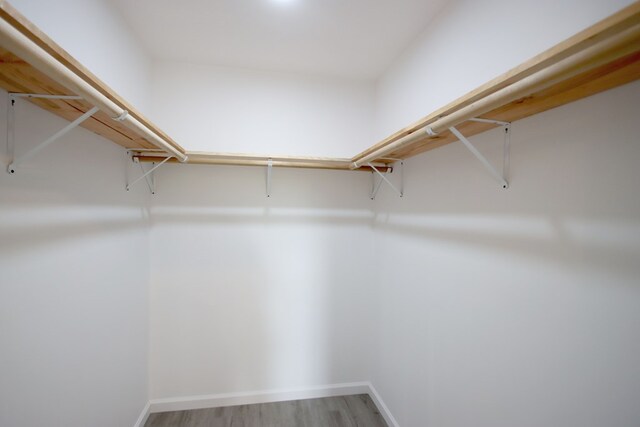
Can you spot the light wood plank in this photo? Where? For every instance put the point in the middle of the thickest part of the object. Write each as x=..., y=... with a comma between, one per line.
x=622, y=71
x=617, y=23
x=18, y=76
x=14, y=17
x=203, y=158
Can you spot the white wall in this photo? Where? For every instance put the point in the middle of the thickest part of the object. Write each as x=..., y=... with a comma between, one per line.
x=220, y=109
x=73, y=300
x=519, y=306
x=475, y=287
x=95, y=34
x=480, y=305
x=73, y=283
x=250, y=293
x=470, y=43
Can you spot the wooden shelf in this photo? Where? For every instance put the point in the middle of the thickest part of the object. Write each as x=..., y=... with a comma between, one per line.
x=624, y=67
x=207, y=158
x=16, y=75
x=618, y=64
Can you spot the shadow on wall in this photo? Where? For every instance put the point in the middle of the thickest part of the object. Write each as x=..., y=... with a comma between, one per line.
x=609, y=244
x=72, y=189
x=571, y=203
x=20, y=234
x=260, y=215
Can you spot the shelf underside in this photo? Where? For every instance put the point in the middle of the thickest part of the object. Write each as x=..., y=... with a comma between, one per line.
x=19, y=77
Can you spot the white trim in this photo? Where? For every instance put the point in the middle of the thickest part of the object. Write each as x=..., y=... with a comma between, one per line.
x=384, y=410
x=186, y=403
x=144, y=415
x=251, y=397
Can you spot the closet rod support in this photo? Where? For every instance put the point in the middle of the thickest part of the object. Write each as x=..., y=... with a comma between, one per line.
x=376, y=187
x=18, y=160
x=145, y=174
x=480, y=157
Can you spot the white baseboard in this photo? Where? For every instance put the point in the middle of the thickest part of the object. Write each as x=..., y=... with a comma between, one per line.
x=247, y=398
x=384, y=410
x=251, y=397
x=144, y=415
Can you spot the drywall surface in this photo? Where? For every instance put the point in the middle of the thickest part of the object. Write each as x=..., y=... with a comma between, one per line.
x=250, y=293
x=95, y=34
x=210, y=108
x=519, y=306
x=470, y=43
x=310, y=37
x=73, y=281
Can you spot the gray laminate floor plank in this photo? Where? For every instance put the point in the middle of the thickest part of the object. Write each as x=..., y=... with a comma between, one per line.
x=343, y=411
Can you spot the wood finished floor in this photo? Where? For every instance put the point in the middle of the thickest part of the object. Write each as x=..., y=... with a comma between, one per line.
x=344, y=411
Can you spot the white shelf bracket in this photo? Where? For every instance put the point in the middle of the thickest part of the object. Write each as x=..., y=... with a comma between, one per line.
x=148, y=176
x=376, y=184
x=269, y=173
x=11, y=114
x=502, y=178
x=17, y=160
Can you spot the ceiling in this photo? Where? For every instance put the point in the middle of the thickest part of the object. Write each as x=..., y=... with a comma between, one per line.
x=346, y=38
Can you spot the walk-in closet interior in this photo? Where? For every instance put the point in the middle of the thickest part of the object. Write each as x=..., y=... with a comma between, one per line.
x=286, y=213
